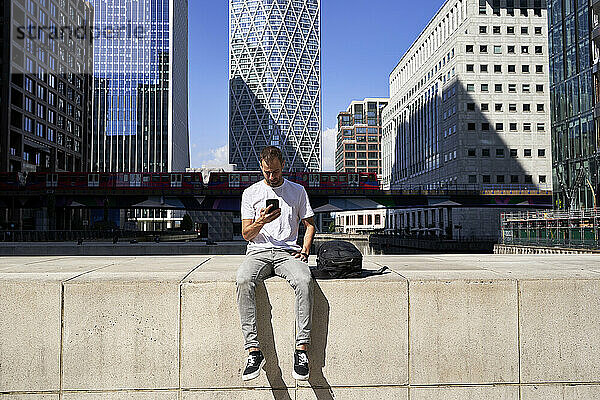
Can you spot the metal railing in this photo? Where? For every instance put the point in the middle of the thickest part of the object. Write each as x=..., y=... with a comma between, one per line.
x=566, y=229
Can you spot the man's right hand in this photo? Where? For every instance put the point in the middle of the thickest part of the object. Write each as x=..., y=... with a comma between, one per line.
x=267, y=216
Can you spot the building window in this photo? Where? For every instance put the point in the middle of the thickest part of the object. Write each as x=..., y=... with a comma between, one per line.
x=510, y=30
x=542, y=178
x=528, y=179
x=499, y=153
x=511, y=68
x=539, y=69
x=512, y=88
x=471, y=153
x=498, y=87
x=538, y=30
x=496, y=30
x=499, y=178
x=497, y=49
x=499, y=126
x=485, y=126
x=485, y=87
x=542, y=153
x=512, y=107
x=483, y=68
x=539, y=88
x=485, y=107
x=538, y=50
x=514, y=179
x=541, y=127
x=470, y=87
x=485, y=152
x=472, y=178
x=470, y=68
x=471, y=126
x=526, y=107
x=526, y=152
x=510, y=49
x=483, y=48
x=497, y=68
x=524, y=30
x=540, y=107
x=512, y=126
x=527, y=127
x=486, y=178
x=483, y=29
x=525, y=68
x=524, y=49
x=469, y=48
x=513, y=153
x=498, y=107
x=525, y=88
x=470, y=106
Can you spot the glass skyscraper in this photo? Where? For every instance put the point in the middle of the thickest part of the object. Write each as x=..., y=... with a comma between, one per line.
x=140, y=86
x=275, y=82
x=574, y=132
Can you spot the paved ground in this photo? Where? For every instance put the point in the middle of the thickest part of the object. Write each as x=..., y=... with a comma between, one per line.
x=452, y=266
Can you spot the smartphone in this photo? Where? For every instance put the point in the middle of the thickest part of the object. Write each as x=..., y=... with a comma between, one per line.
x=274, y=203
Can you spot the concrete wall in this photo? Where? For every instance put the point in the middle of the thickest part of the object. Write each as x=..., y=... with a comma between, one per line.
x=437, y=327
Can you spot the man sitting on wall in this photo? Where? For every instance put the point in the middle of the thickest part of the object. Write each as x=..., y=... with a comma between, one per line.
x=272, y=231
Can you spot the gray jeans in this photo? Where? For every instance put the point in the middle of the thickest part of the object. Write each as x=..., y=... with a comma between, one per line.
x=260, y=265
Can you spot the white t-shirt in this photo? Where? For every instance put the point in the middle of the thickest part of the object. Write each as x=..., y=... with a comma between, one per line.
x=283, y=231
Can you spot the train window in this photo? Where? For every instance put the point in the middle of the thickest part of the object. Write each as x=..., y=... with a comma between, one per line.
x=155, y=178
x=164, y=178
x=342, y=178
x=245, y=178
x=146, y=179
x=325, y=178
x=333, y=179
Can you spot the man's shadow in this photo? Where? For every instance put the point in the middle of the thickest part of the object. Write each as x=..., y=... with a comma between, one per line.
x=316, y=352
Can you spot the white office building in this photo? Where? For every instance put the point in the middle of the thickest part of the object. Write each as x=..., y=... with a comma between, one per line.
x=469, y=100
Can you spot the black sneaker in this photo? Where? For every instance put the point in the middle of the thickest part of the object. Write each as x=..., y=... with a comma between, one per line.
x=255, y=362
x=300, y=371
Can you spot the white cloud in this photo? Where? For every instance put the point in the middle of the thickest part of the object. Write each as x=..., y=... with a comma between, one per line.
x=218, y=157
x=329, y=137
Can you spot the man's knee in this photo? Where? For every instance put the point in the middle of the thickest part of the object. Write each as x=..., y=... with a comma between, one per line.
x=243, y=279
x=304, y=279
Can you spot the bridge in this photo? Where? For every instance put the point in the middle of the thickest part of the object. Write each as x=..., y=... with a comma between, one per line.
x=223, y=200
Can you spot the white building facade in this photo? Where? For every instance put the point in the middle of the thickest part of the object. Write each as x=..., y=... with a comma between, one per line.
x=469, y=101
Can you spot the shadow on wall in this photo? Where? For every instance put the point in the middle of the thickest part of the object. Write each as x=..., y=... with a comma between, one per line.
x=252, y=127
x=317, y=349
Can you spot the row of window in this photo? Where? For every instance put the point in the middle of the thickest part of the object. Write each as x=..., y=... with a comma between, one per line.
x=523, y=6
x=361, y=163
x=512, y=107
x=510, y=30
x=511, y=68
x=512, y=126
x=510, y=49
x=361, y=154
x=502, y=179
x=513, y=153
x=511, y=87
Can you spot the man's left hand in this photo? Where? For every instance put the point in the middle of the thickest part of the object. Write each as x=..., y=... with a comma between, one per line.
x=302, y=256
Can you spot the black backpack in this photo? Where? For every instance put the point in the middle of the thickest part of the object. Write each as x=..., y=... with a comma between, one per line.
x=338, y=259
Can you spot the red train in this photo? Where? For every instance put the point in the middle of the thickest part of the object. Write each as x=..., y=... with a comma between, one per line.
x=188, y=180
x=313, y=180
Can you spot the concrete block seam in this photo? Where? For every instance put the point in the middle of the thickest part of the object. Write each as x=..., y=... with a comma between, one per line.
x=194, y=269
x=519, y=334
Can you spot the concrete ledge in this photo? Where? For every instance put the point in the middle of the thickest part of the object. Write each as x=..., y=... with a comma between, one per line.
x=436, y=327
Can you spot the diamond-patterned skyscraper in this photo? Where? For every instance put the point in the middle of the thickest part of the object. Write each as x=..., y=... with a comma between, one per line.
x=275, y=82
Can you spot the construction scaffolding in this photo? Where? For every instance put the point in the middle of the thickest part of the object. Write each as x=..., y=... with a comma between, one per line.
x=566, y=229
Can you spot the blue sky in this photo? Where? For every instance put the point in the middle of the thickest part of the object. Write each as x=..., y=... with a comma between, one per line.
x=361, y=43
